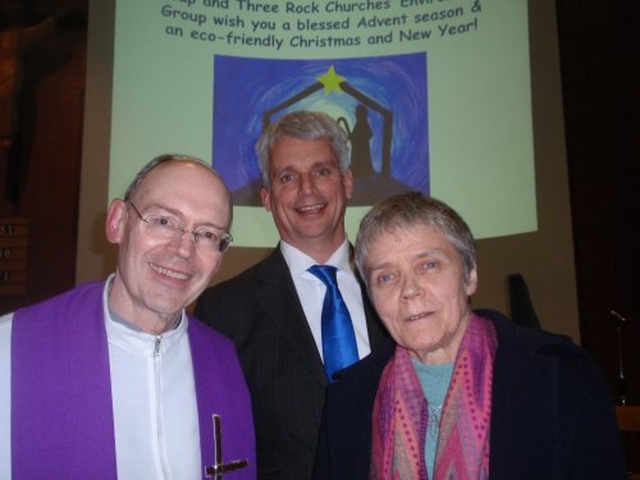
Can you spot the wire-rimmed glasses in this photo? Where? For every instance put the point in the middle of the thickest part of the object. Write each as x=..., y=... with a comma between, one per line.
x=167, y=227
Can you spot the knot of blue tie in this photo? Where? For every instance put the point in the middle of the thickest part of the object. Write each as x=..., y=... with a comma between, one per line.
x=339, y=347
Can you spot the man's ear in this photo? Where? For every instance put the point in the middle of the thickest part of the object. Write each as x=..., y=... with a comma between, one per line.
x=265, y=196
x=115, y=223
x=347, y=181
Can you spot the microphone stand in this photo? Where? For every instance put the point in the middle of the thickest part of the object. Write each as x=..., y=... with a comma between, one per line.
x=622, y=381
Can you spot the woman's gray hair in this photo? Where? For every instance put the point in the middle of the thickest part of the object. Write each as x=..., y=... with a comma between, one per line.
x=408, y=210
x=303, y=125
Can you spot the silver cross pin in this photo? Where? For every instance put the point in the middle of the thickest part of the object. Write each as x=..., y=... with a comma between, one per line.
x=219, y=468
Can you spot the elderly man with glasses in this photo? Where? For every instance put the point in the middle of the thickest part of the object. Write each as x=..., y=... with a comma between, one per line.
x=114, y=379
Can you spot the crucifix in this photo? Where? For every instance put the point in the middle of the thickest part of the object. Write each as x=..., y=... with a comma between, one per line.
x=219, y=468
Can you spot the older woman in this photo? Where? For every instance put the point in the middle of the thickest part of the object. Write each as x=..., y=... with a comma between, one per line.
x=458, y=396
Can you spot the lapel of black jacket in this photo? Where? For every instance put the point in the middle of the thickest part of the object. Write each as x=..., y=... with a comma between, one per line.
x=278, y=297
x=375, y=329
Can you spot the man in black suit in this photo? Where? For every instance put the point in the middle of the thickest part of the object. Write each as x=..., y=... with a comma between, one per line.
x=272, y=311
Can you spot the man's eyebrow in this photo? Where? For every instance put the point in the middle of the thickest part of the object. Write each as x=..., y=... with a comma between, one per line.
x=328, y=162
x=177, y=213
x=160, y=209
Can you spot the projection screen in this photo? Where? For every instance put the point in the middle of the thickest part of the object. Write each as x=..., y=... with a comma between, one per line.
x=435, y=96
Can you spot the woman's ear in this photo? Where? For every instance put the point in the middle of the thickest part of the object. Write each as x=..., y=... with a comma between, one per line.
x=115, y=223
x=472, y=282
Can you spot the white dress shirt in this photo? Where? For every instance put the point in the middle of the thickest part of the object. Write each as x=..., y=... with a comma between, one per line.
x=311, y=292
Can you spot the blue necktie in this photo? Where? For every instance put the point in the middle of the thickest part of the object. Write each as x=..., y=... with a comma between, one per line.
x=338, y=339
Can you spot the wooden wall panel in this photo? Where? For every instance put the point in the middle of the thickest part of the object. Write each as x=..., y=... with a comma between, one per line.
x=44, y=188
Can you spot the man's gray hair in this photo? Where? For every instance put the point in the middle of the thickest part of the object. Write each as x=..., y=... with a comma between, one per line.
x=303, y=125
x=157, y=161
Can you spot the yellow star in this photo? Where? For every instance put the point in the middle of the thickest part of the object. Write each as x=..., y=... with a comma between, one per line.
x=331, y=81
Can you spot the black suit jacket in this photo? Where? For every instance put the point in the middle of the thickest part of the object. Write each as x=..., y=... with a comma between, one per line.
x=261, y=313
x=552, y=415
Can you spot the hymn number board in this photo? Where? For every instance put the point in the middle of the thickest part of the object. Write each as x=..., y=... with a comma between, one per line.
x=13, y=256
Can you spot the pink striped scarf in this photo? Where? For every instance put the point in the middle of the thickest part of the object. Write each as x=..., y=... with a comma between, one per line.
x=400, y=414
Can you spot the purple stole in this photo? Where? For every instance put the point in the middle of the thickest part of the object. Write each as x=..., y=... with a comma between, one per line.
x=61, y=411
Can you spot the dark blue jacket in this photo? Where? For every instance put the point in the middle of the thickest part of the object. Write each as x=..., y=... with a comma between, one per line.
x=552, y=415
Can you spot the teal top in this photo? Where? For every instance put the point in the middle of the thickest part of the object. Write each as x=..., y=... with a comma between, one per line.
x=435, y=383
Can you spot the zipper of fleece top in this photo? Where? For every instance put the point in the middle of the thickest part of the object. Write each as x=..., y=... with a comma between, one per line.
x=157, y=364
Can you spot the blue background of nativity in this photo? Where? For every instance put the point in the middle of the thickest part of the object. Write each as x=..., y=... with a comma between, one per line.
x=245, y=88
